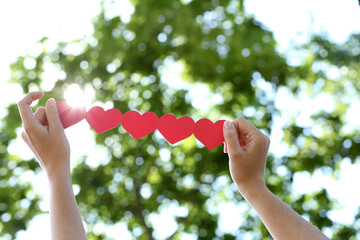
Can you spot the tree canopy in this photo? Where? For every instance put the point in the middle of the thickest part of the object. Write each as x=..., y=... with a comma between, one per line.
x=220, y=46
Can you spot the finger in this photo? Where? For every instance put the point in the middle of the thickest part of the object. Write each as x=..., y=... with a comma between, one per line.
x=225, y=147
x=232, y=139
x=25, y=137
x=245, y=127
x=25, y=110
x=41, y=115
x=53, y=118
x=248, y=134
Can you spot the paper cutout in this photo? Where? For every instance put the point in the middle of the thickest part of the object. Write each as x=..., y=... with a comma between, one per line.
x=208, y=133
x=175, y=130
x=70, y=115
x=138, y=125
x=101, y=120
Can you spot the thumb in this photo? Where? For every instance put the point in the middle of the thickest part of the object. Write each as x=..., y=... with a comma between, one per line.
x=53, y=116
x=232, y=139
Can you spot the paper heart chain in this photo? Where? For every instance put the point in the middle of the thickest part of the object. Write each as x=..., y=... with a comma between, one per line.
x=139, y=125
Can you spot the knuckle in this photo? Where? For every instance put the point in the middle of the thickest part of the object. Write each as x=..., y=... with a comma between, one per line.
x=24, y=99
x=267, y=138
x=41, y=109
x=241, y=119
x=23, y=135
x=28, y=132
x=264, y=139
x=260, y=138
x=28, y=129
x=20, y=103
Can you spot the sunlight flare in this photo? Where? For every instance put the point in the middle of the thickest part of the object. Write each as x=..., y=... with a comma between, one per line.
x=77, y=97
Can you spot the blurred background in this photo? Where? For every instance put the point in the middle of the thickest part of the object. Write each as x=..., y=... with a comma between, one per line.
x=290, y=67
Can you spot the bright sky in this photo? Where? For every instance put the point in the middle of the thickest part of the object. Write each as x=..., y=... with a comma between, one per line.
x=24, y=22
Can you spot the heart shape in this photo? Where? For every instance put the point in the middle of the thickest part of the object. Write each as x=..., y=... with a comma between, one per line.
x=208, y=133
x=175, y=130
x=70, y=115
x=138, y=125
x=101, y=120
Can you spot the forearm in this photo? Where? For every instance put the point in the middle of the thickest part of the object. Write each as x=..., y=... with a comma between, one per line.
x=65, y=217
x=281, y=221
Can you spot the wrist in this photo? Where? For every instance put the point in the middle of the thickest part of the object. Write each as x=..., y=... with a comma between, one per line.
x=57, y=168
x=59, y=177
x=252, y=188
x=61, y=186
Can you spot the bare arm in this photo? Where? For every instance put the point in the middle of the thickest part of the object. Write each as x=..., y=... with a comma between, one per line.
x=45, y=136
x=247, y=148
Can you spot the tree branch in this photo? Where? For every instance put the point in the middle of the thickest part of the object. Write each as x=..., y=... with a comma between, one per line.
x=139, y=210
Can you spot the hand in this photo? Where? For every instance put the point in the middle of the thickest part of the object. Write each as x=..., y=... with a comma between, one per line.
x=44, y=134
x=247, y=148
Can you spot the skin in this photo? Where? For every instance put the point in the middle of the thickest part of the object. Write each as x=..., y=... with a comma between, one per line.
x=44, y=134
x=247, y=148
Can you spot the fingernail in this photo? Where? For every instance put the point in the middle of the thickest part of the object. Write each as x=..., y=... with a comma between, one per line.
x=51, y=101
x=227, y=125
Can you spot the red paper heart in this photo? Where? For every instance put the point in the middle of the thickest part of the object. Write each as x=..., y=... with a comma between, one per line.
x=175, y=130
x=208, y=133
x=139, y=125
x=101, y=120
x=70, y=115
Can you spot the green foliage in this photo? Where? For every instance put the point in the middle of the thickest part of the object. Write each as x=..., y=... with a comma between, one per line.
x=18, y=202
x=219, y=46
